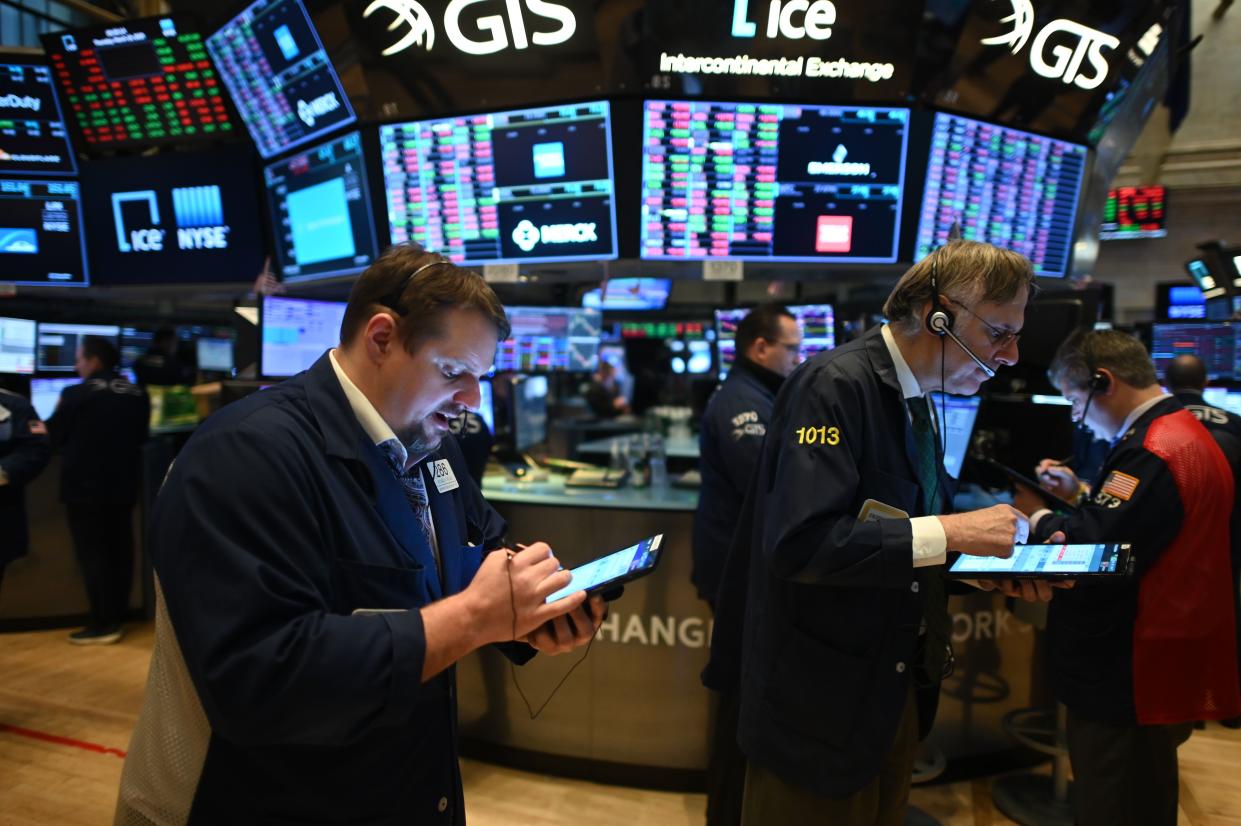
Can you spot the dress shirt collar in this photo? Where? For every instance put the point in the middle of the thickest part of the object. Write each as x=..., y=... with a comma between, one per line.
x=377, y=430
x=910, y=389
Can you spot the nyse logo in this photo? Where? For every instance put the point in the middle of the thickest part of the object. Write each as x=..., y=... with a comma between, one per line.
x=1072, y=43
x=794, y=19
x=199, y=211
x=317, y=108
x=527, y=236
x=420, y=29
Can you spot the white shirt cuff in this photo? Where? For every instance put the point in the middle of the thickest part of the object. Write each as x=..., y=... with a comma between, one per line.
x=1036, y=516
x=930, y=543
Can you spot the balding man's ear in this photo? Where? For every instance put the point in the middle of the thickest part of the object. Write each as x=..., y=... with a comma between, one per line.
x=379, y=336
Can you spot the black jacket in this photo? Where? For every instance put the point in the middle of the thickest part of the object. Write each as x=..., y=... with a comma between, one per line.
x=100, y=426
x=24, y=452
x=733, y=427
x=831, y=605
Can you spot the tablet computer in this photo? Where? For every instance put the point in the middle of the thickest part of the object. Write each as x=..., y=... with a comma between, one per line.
x=615, y=569
x=1052, y=501
x=1047, y=562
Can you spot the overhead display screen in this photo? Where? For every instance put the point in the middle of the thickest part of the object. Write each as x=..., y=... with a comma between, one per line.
x=32, y=130
x=529, y=185
x=296, y=332
x=550, y=338
x=1134, y=212
x=1215, y=344
x=174, y=218
x=320, y=209
x=41, y=233
x=281, y=79
x=772, y=182
x=138, y=82
x=629, y=294
x=817, y=323
x=16, y=345
x=59, y=343
x=1009, y=188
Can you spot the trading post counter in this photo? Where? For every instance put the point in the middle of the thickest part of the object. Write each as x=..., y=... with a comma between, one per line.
x=634, y=711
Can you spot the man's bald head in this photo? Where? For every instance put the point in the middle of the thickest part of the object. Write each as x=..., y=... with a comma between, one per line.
x=1186, y=372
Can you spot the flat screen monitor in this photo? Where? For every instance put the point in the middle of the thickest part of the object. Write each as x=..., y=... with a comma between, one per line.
x=215, y=355
x=32, y=128
x=957, y=415
x=1213, y=343
x=133, y=83
x=772, y=182
x=531, y=185
x=41, y=234
x=1178, y=302
x=1003, y=186
x=726, y=322
x=320, y=209
x=135, y=341
x=296, y=332
x=690, y=357
x=175, y=218
x=529, y=410
x=17, y=346
x=629, y=294
x=1134, y=212
x=45, y=394
x=547, y=339
x=486, y=405
x=817, y=323
x=282, y=82
x=58, y=343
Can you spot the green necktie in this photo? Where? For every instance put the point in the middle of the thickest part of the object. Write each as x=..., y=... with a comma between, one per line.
x=935, y=647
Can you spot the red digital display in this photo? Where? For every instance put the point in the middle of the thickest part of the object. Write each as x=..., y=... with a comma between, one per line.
x=1134, y=212
x=137, y=83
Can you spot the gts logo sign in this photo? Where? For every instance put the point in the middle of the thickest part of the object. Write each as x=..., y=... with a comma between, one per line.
x=525, y=28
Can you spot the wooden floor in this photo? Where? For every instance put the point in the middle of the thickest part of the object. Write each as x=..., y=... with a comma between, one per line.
x=66, y=713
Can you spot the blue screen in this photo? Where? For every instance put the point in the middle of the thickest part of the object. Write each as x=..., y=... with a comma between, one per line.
x=296, y=332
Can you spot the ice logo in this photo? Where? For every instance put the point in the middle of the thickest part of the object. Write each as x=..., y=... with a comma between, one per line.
x=526, y=235
x=1022, y=19
x=412, y=14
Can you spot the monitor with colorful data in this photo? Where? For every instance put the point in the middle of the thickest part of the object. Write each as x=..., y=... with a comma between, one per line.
x=320, y=209
x=547, y=339
x=17, y=346
x=817, y=323
x=530, y=185
x=772, y=182
x=1134, y=212
x=619, y=294
x=41, y=233
x=296, y=332
x=33, y=137
x=58, y=343
x=281, y=79
x=1010, y=188
x=133, y=83
x=1214, y=343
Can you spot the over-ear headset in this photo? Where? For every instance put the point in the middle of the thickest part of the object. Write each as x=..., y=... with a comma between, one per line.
x=939, y=320
x=1099, y=383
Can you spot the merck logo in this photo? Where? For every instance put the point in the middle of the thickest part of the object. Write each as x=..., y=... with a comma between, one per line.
x=317, y=108
x=527, y=236
x=1072, y=42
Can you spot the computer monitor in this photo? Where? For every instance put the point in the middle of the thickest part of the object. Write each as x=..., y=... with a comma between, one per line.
x=281, y=79
x=550, y=339
x=1134, y=212
x=817, y=323
x=45, y=394
x=58, y=343
x=529, y=185
x=772, y=182
x=1010, y=188
x=296, y=332
x=1214, y=343
x=177, y=217
x=529, y=411
x=629, y=294
x=1232, y=402
x=31, y=125
x=320, y=210
x=41, y=234
x=215, y=355
x=134, y=83
x=17, y=346
x=135, y=341
x=1179, y=302
x=957, y=415
x=486, y=407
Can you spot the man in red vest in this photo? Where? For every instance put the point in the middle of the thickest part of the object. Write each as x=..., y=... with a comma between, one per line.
x=1136, y=662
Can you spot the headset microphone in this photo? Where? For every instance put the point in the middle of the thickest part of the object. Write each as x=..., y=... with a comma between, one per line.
x=939, y=320
x=1098, y=383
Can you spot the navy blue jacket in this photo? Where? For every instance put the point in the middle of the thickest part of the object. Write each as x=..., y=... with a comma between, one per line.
x=24, y=452
x=278, y=521
x=831, y=605
x=100, y=426
x=733, y=427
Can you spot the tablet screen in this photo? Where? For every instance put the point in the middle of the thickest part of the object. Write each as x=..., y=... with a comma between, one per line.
x=629, y=563
x=1047, y=560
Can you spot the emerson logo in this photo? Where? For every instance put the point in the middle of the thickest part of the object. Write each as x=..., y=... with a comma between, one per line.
x=838, y=166
x=317, y=108
x=420, y=29
x=527, y=236
x=1070, y=43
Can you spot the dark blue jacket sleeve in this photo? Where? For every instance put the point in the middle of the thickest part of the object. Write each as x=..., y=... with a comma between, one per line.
x=30, y=448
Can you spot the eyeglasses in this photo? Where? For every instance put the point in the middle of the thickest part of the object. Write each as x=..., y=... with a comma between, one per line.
x=999, y=338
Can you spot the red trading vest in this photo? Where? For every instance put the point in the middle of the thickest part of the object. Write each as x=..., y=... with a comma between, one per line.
x=1184, y=640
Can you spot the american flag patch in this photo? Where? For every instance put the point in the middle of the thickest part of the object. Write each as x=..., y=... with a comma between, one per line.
x=1120, y=485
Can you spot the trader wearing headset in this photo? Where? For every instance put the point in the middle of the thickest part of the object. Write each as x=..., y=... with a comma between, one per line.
x=1137, y=661
x=832, y=617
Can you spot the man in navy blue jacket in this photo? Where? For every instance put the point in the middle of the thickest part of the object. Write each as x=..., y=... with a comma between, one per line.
x=24, y=452
x=322, y=560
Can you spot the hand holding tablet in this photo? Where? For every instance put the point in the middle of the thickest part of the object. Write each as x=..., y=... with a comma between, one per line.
x=1058, y=561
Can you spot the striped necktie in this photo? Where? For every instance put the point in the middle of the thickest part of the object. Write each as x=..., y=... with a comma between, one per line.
x=415, y=491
